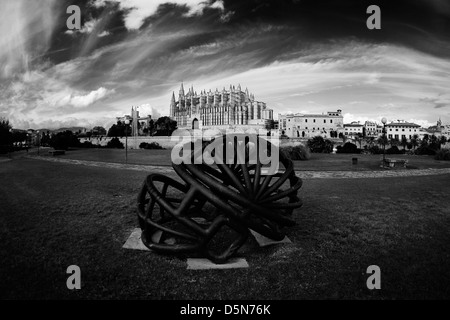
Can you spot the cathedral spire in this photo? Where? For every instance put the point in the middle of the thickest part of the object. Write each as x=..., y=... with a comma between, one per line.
x=182, y=88
x=172, y=105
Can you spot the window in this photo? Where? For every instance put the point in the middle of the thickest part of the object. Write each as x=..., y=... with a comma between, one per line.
x=306, y=120
x=331, y=121
x=403, y=129
x=396, y=129
x=314, y=120
x=324, y=121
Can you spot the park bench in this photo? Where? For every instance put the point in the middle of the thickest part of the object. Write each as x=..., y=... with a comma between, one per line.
x=395, y=162
x=57, y=152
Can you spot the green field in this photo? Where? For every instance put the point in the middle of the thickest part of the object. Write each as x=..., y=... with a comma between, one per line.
x=53, y=215
x=320, y=162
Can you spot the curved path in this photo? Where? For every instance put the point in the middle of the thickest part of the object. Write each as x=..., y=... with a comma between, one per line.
x=300, y=173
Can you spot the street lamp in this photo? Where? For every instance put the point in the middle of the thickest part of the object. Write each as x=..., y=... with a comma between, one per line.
x=383, y=120
x=127, y=122
x=28, y=141
x=39, y=140
x=10, y=140
x=136, y=128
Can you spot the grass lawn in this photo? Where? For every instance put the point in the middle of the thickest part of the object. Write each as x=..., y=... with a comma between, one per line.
x=318, y=161
x=53, y=215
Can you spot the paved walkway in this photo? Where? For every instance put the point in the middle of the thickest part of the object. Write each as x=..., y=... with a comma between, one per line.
x=302, y=174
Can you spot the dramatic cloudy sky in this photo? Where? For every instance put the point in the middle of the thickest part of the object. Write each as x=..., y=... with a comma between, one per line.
x=296, y=55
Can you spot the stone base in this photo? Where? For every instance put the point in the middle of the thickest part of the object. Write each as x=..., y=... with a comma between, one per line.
x=134, y=241
x=205, y=264
x=264, y=241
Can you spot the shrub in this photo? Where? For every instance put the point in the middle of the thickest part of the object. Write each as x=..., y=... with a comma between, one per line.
x=443, y=154
x=298, y=152
x=64, y=140
x=393, y=150
x=427, y=149
x=375, y=150
x=348, y=147
x=320, y=145
x=151, y=145
x=115, y=143
x=154, y=145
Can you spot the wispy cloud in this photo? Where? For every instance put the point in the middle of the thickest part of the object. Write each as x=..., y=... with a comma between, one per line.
x=138, y=10
x=136, y=52
x=26, y=31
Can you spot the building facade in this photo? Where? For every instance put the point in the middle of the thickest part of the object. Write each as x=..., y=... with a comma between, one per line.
x=401, y=129
x=353, y=129
x=371, y=129
x=228, y=109
x=438, y=130
x=137, y=123
x=301, y=125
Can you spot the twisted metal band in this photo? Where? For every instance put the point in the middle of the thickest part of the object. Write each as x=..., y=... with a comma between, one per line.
x=236, y=197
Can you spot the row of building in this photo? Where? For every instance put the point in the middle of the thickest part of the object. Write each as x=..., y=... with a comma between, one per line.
x=238, y=109
x=331, y=125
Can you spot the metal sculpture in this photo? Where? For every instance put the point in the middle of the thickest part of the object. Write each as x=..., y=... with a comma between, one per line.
x=210, y=214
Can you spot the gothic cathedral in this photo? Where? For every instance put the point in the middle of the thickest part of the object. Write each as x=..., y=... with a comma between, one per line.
x=229, y=109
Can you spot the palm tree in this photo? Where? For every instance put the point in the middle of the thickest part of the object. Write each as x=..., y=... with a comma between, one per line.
x=382, y=140
x=359, y=138
x=370, y=141
x=433, y=139
x=394, y=142
x=442, y=140
x=415, y=141
x=404, y=142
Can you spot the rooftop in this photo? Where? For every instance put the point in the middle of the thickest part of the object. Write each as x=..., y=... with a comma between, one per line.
x=407, y=124
x=353, y=125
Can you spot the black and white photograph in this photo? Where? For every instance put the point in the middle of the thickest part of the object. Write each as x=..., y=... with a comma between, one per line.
x=225, y=154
